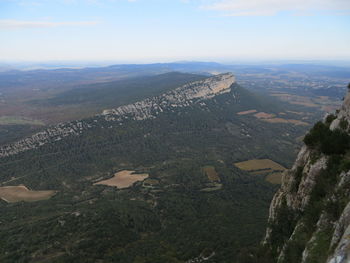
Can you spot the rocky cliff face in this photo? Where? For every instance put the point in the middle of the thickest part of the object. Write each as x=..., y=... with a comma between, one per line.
x=184, y=96
x=179, y=97
x=309, y=217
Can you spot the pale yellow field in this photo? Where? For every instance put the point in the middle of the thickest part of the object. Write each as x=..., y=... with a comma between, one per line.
x=246, y=112
x=123, y=179
x=269, y=117
x=264, y=115
x=280, y=120
x=274, y=178
x=12, y=194
x=261, y=172
x=259, y=164
x=304, y=103
x=211, y=173
x=271, y=170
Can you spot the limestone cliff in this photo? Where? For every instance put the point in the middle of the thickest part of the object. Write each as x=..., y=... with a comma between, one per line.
x=309, y=217
x=184, y=96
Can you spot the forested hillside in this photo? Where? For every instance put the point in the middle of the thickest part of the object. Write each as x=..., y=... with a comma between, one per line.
x=195, y=203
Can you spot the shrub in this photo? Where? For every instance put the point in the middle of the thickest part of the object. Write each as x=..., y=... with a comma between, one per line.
x=282, y=228
x=337, y=142
x=330, y=118
x=345, y=165
x=343, y=124
x=327, y=141
x=316, y=134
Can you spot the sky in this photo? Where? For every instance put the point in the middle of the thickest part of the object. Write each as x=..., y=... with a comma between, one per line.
x=142, y=31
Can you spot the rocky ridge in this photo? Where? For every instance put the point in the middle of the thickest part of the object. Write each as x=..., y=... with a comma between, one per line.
x=309, y=218
x=184, y=96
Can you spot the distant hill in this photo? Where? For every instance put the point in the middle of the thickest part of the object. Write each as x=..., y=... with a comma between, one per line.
x=116, y=93
x=59, y=78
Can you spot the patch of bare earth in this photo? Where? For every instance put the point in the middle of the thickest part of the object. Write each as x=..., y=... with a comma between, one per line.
x=269, y=117
x=12, y=194
x=274, y=178
x=296, y=112
x=246, y=112
x=280, y=120
x=259, y=164
x=264, y=115
x=211, y=173
x=123, y=179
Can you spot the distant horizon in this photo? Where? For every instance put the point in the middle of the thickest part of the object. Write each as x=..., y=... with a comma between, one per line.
x=54, y=64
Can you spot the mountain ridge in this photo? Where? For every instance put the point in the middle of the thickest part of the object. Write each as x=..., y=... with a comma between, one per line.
x=148, y=108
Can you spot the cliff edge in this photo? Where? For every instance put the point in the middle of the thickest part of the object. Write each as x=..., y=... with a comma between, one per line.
x=309, y=218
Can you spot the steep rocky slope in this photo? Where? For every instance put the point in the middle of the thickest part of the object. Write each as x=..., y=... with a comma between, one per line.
x=191, y=93
x=309, y=217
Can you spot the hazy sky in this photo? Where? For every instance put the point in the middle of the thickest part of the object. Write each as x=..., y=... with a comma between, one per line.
x=168, y=30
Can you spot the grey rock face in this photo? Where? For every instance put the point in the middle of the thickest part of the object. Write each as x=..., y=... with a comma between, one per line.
x=295, y=193
x=180, y=97
x=344, y=113
x=341, y=238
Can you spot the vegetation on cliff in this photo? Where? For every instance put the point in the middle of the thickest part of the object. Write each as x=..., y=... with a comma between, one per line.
x=305, y=214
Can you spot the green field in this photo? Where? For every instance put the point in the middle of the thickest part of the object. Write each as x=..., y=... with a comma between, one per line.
x=18, y=120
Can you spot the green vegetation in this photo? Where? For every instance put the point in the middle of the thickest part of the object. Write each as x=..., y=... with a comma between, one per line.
x=330, y=118
x=172, y=221
x=307, y=221
x=121, y=92
x=10, y=133
x=327, y=141
x=334, y=144
x=319, y=251
x=287, y=219
x=343, y=124
x=58, y=96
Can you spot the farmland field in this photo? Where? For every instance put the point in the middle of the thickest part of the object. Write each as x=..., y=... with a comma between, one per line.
x=12, y=194
x=265, y=167
x=274, y=178
x=123, y=179
x=246, y=112
x=281, y=120
x=211, y=173
x=264, y=115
